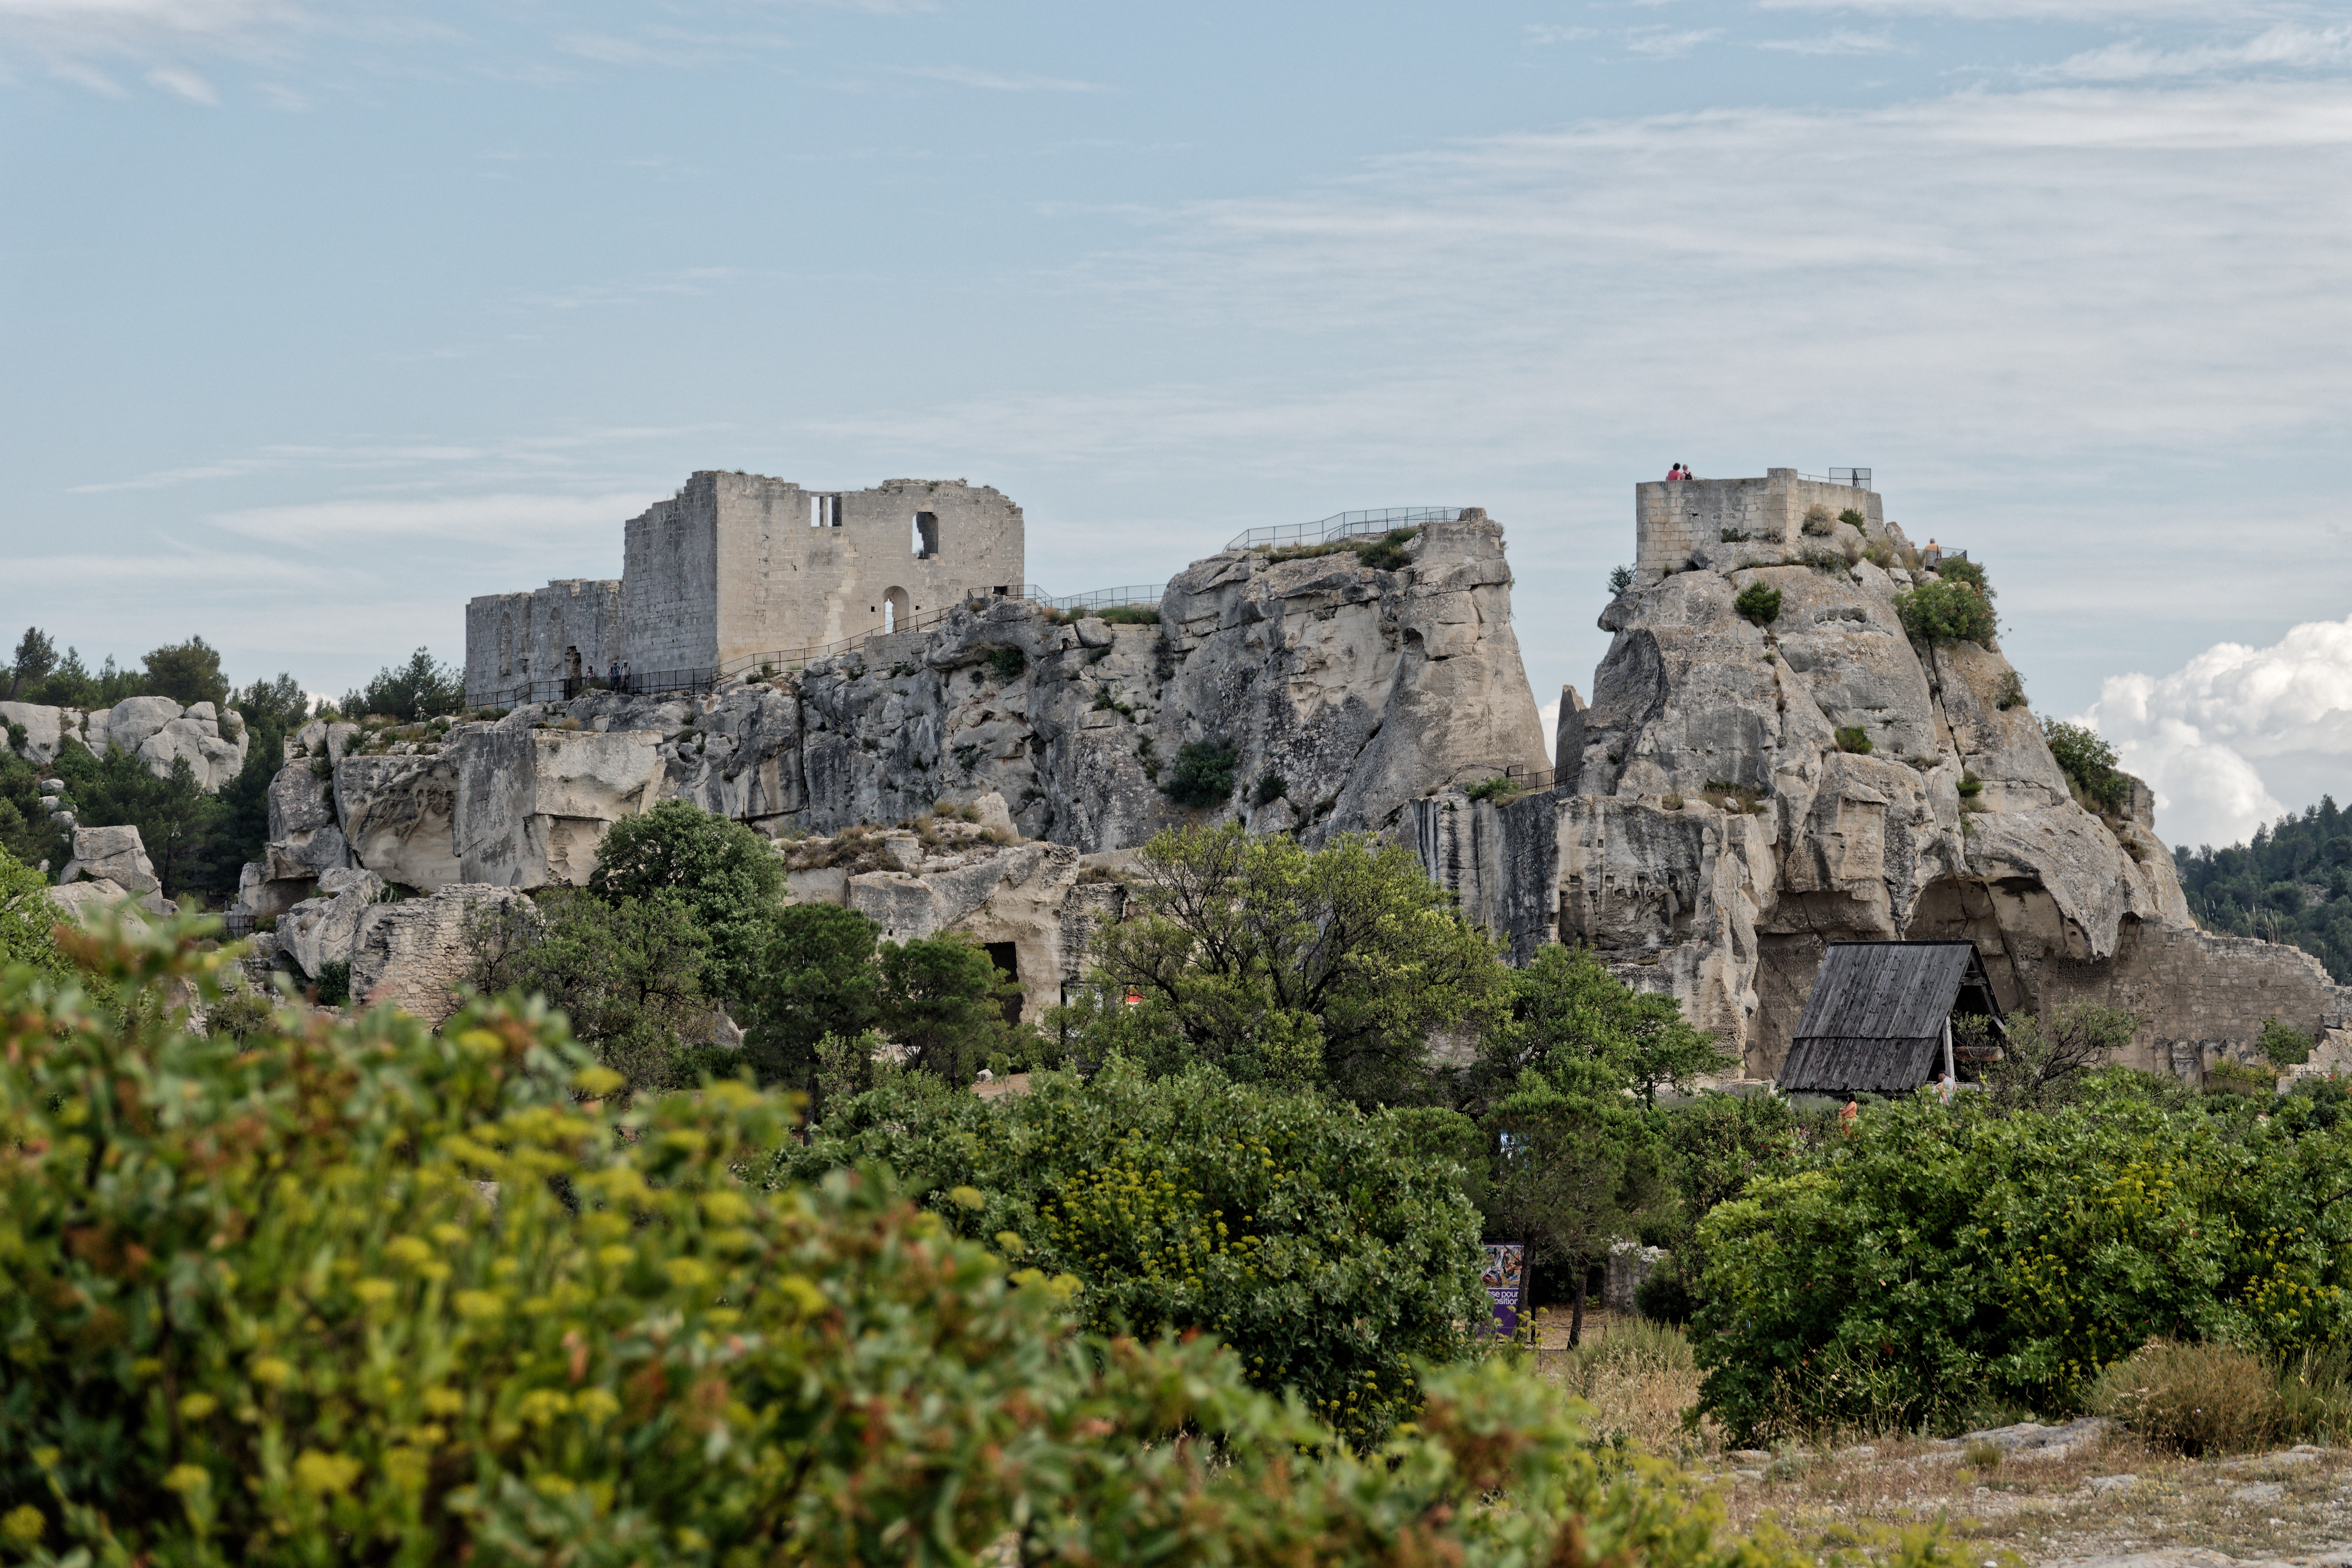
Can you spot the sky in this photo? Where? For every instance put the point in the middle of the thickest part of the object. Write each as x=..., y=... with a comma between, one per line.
x=320, y=319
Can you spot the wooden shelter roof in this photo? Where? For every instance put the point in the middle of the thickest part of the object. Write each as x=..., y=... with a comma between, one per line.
x=1875, y=1020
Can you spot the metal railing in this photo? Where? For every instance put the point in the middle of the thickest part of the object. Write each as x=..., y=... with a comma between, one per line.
x=650, y=683
x=1528, y=778
x=235, y=926
x=1855, y=478
x=1343, y=525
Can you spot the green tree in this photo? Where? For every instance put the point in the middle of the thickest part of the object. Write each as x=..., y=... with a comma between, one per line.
x=421, y=689
x=817, y=978
x=188, y=673
x=27, y=829
x=316, y=1341
x=939, y=1001
x=726, y=873
x=270, y=710
x=1574, y=1171
x=68, y=684
x=1566, y=1007
x=35, y=657
x=1285, y=965
x=624, y=972
x=1310, y=1236
x=1203, y=775
x=178, y=823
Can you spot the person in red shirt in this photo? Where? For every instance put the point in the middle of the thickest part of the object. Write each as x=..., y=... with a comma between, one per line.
x=1673, y=473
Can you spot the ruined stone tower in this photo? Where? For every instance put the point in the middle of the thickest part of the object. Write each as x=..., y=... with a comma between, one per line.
x=737, y=565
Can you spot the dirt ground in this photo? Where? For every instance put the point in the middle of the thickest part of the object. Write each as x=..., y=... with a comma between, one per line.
x=2106, y=1499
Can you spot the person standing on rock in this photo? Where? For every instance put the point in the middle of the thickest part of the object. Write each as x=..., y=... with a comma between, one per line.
x=1932, y=557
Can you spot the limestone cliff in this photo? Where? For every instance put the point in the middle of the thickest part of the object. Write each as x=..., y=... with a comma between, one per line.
x=1718, y=820
x=156, y=729
x=1343, y=692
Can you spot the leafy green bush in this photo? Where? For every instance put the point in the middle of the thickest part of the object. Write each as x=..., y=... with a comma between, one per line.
x=1204, y=776
x=1955, y=570
x=1500, y=788
x=1620, y=578
x=1271, y=786
x=334, y=988
x=1130, y=614
x=2089, y=764
x=28, y=920
x=1945, y=612
x=2010, y=691
x=1854, y=738
x=1305, y=1234
x=364, y=1292
x=2226, y=1077
x=1854, y=519
x=2193, y=1398
x=1387, y=553
x=2285, y=1045
x=1760, y=602
x=1942, y=1258
x=424, y=687
x=1007, y=664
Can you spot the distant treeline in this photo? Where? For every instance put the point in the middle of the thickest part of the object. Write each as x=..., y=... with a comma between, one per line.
x=2292, y=884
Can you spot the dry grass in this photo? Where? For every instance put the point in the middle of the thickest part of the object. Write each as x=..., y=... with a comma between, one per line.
x=2014, y=1507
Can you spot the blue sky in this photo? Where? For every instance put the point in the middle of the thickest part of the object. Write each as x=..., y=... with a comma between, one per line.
x=322, y=318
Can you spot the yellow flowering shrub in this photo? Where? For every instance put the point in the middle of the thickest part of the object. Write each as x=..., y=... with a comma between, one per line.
x=347, y=1290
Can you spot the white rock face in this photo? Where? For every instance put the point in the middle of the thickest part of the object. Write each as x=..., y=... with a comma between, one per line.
x=413, y=953
x=321, y=931
x=83, y=901
x=532, y=803
x=1648, y=853
x=305, y=840
x=45, y=728
x=397, y=815
x=115, y=855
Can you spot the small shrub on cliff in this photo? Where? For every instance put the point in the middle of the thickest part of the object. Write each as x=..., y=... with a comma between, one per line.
x=1387, y=553
x=2089, y=764
x=1854, y=738
x=1818, y=521
x=1854, y=519
x=1956, y=569
x=1620, y=578
x=1007, y=664
x=1760, y=602
x=1271, y=786
x=2009, y=693
x=1945, y=612
x=1204, y=776
x=1501, y=789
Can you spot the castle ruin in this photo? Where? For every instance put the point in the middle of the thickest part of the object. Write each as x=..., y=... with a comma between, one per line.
x=738, y=566
x=1673, y=518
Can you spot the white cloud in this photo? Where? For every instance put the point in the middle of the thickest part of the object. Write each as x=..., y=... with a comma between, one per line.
x=1837, y=41
x=1549, y=714
x=2286, y=46
x=2128, y=11
x=992, y=81
x=1669, y=43
x=1552, y=33
x=491, y=521
x=185, y=83
x=2205, y=736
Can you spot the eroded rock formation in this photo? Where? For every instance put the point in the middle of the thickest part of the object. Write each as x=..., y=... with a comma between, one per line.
x=156, y=729
x=1739, y=795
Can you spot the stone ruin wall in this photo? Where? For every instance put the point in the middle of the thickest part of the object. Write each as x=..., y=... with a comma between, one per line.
x=785, y=583
x=1674, y=518
x=514, y=640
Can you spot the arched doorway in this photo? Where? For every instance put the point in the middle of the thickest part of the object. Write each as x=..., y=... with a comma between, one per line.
x=896, y=610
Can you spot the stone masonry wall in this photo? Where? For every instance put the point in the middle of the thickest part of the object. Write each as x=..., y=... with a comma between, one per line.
x=669, y=581
x=800, y=568
x=513, y=641
x=1673, y=519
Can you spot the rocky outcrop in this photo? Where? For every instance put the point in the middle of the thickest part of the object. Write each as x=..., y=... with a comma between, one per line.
x=115, y=855
x=156, y=729
x=533, y=802
x=1034, y=905
x=323, y=930
x=413, y=953
x=1737, y=796
x=1339, y=692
